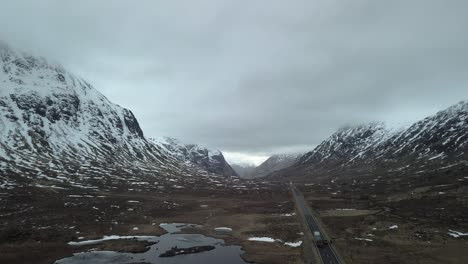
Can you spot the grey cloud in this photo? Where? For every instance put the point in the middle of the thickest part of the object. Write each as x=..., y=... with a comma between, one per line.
x=255, y=76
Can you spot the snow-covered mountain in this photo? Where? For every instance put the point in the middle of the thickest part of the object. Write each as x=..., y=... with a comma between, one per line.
x=438, y=141
x=246, y=171
x=55, y=126
x=348, y=144
x=276, y=163
x=439, y=136
x=211, y=160
x=272, y=164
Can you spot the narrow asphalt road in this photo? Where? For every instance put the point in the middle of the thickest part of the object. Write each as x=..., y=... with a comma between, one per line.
x=327, y=254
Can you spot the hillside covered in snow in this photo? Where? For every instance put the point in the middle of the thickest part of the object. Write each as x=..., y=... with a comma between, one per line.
x=438, y=142
x=276, y=163
x=55, y=127
x=272, y=164
x=211, y=160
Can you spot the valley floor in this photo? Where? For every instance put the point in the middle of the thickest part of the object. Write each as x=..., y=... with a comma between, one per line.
x=37, y=223
x=382, y=229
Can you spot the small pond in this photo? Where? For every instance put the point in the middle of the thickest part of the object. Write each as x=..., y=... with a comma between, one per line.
x=220, y=254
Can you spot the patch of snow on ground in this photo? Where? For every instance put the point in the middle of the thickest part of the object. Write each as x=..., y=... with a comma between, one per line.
x=223, y=229
x=456, y=234
x=106, y=238
x=363, y=239
x=294, y=244
x=393, y=227
x=262, y=239
x=291, y=214
x=51, y=186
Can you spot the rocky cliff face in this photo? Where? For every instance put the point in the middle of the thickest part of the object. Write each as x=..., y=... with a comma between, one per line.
x=210, y=160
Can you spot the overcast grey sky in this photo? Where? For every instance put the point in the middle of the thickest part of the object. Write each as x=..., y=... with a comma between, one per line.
x=253, y=78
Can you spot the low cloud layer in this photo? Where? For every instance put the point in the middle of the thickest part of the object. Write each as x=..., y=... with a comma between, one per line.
x=255, y=77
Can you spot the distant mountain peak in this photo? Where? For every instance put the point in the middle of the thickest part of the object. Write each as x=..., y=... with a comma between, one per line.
x=211, y=160
x=275, y=163
x=244, y=170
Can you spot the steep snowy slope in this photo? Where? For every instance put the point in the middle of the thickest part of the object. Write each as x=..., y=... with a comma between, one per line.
x=435, y=137
x=347, y=144
x=439, y=141
x=210, y=160
x=56, y=126
x=276, y=163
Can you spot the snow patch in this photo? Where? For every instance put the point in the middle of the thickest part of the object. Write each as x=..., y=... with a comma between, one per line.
x=262, y=239
x=294, y=244
x=223, y=229
x=456, y=234
x=107, y=238
x=363, y=239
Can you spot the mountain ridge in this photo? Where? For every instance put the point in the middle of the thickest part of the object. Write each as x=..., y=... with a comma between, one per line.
x=56, y=127
x=277, y=162
x=437, y=141
x=272, y=164
x=211, y=160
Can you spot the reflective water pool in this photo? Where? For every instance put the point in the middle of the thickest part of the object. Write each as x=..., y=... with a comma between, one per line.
x=221, y=254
